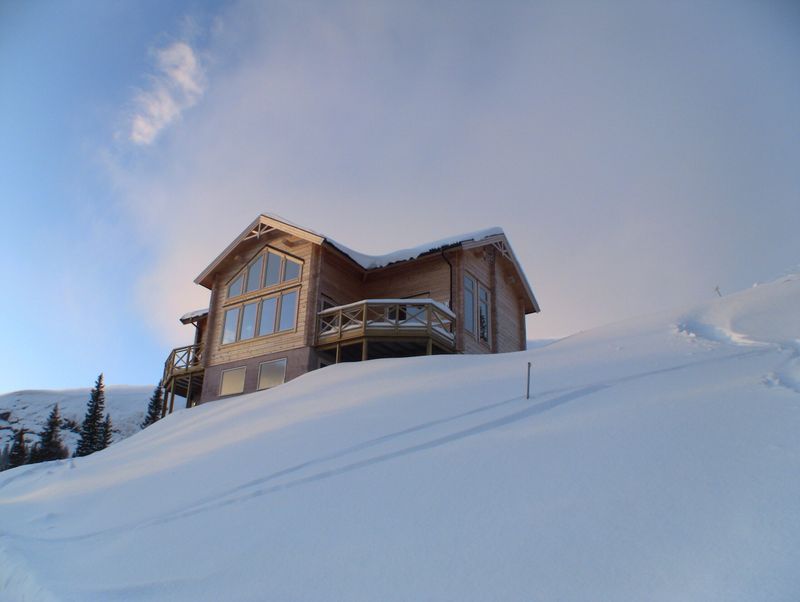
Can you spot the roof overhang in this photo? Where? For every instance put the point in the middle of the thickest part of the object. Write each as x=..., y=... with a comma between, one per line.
x=259, y=227
x=502, y=246
x=264, y=224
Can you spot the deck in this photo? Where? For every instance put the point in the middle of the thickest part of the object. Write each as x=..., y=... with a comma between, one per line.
x=183, y=375
x=388, y=322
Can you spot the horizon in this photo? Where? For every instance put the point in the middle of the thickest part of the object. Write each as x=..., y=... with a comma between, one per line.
x=637, y=155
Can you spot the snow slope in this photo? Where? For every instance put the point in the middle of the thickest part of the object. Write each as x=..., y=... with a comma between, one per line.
x=30, y=409
x=658, y=460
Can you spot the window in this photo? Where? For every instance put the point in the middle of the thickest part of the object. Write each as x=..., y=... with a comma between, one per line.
x=291, y=270
x=248, y=330
x=268, y=269
x=477, y=317
x=268, y=312
x=273, y=273
x=483, y=314
x=262, y=317
x=232, y=381
x=288, y=311
x=271, y=374
x=235, y=288
x=325, y=302
x=254, y=275
x=231, y=324
x=469, y=304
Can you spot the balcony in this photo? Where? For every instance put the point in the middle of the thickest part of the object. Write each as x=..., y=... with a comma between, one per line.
x=183, y=375
x=399, y=321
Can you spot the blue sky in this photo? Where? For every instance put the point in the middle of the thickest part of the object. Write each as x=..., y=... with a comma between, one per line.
x=637, y=153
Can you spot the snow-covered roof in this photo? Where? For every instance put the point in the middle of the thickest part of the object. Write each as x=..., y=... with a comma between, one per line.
x=372, y=262
x=266, y=221
x=193, y=315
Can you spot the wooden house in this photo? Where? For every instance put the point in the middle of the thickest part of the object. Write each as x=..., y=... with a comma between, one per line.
x=286, y=300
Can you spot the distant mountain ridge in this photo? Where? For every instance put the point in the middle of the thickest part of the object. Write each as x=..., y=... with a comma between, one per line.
x=29, y=409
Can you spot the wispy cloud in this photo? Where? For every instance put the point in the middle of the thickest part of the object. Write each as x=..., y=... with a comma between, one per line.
x=178, y=84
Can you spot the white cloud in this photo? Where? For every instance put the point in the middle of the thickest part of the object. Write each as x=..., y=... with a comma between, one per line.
x=622, y=179
x=178, y=84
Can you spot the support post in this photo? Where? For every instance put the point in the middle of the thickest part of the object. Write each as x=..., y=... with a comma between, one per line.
x=172, y=396
x=364, y=350
x=189, y=391
x=164, y=402
x=528, y=390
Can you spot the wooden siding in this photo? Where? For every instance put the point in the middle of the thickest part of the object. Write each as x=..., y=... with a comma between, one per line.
x=340, y=280
x=478, y=264
x=428, y=277
x=217, y=353
x=510, y=329
x=298, y=362
x=507, y=311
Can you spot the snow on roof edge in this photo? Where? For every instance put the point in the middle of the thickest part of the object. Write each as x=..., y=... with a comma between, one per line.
x=371, y=262
x=193, y=314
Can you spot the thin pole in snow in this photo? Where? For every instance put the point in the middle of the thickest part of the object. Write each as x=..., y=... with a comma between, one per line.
x=528, y=391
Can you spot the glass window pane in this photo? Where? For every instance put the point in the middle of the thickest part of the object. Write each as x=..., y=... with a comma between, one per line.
x=232, y=381
x=469, y=304
x=273, y=271
x=249, y=321
x=271, y=374
x=235, y=289
x=229, y=330
x=483, y=317
x=483, y=314
x=292, y=270
x=288, y=310
x=267, y=324
x=254, y=275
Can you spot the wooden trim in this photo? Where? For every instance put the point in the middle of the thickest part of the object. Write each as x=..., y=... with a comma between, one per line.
x=493, y=325
x=240, y=304
x=261, y=364
x=222, y=380
x=501, y=239
x=202, y=279
x=263, y=252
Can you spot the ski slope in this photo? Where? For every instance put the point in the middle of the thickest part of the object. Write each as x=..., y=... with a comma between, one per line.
x=657, y=460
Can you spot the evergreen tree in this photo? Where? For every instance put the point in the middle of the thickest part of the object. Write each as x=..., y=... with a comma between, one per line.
x=154, y=407
x=50, y=446
x=107, y=436
x=92, y=430
x=36, y=454
x=4, y=457
x=19, y=451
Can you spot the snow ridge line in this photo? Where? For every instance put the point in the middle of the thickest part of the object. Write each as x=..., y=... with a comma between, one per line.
x=18, y=582
x=565, y=395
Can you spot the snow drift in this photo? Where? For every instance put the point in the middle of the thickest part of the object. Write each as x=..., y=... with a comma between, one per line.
x=658, y=460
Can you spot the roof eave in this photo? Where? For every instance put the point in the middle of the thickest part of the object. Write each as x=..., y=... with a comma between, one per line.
x=206, y=276
x=531, y=304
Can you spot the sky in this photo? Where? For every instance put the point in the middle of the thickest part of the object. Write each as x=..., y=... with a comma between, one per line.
x=637, y=154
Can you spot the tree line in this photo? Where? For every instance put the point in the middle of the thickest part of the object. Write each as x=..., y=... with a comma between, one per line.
x=96, y=431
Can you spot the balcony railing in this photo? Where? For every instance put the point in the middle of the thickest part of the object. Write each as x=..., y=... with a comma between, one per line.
x=183, y=360
x=387, y=318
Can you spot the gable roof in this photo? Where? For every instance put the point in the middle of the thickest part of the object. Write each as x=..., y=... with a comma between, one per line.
x=266, y=223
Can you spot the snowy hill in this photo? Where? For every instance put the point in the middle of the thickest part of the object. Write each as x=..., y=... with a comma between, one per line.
x=658, y=460
x=29, y=410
